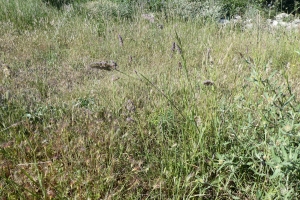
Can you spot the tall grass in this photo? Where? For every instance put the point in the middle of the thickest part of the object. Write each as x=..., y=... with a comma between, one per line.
x=24, y=14
x=153, y=128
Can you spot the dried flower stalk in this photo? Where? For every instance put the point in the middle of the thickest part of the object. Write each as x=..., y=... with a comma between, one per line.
x=120, y=40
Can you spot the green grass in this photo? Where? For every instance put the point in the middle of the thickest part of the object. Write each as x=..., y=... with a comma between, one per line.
x=149, y=130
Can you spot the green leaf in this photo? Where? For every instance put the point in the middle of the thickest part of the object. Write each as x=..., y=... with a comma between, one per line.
x=276, y=173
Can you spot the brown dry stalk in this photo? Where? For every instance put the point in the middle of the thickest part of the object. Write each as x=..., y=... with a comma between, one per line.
x=38, y=163
x=173, y=47
x=179, y=49
x=209, y=57
x=179, y=65
x=120, y=40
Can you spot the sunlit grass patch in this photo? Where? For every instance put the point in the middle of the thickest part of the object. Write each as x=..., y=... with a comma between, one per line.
x=190, y=110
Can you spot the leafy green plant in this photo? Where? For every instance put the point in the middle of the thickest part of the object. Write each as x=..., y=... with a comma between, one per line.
x=232, y=7
x=84, y=102
x=272, y=154
x=41, y=114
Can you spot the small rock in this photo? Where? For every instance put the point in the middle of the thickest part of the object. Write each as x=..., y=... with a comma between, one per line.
x=295, y=26
x=292, y=26
x=237, y=17
x=281, y=16
x=248, y=26
x=296, y=21
x=224, y=21
x=269, y=21
x=281, y=23
x=274, y=24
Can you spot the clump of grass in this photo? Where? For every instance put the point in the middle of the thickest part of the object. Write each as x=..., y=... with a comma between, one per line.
x=109, y=9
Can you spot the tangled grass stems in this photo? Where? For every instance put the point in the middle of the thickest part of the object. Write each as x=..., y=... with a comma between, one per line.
x=121, y=140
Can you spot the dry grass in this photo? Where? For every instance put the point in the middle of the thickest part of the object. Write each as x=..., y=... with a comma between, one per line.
x=70, y=131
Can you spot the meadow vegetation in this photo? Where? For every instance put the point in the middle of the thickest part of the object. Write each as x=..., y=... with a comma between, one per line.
x=194, y=110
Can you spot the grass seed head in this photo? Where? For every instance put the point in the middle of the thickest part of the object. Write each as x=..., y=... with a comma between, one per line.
x=120, y=40
x=173, y=47
x=179, y=65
